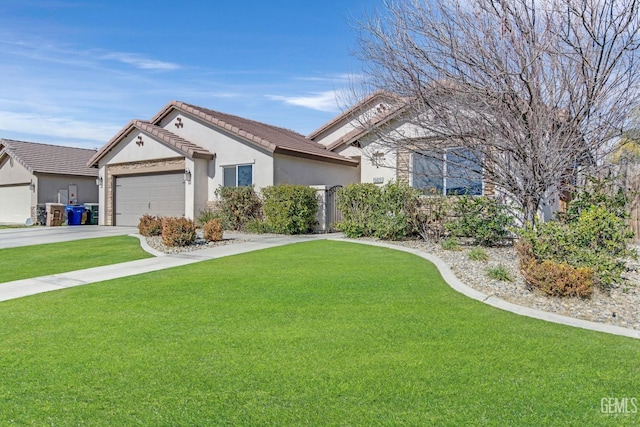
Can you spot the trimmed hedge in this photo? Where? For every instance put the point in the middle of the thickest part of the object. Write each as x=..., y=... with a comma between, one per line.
x=290, y=209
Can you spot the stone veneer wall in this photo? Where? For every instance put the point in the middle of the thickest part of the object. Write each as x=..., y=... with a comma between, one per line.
x=134, y=168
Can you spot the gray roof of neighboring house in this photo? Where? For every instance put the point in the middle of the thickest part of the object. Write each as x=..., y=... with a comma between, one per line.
x=49, y=159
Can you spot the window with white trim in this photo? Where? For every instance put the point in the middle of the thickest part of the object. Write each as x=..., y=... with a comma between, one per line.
x=237, y=175
x=450, y=172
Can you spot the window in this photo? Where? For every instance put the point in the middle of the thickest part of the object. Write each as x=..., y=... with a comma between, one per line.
x=452, y=171
x=377, y=159
x=237, y=176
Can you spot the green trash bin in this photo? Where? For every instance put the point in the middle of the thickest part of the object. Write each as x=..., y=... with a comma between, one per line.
x=92, y=213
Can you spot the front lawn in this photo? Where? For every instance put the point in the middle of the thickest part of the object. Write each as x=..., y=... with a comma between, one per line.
x=315, y=333
x=41, y=260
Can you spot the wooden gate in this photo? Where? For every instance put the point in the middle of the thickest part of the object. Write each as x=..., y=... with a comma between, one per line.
x=333, y=214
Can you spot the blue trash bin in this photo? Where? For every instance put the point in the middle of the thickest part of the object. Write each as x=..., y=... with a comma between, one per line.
x=74, y=214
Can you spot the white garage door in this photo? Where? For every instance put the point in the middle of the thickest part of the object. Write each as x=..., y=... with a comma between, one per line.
x=135, y=196
x=15, y=204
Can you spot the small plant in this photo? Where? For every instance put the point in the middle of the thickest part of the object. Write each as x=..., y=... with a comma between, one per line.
x=212, y=230
x=207, y=215
x=499, y=272
x=450, y=244
x=257, y=226
x=150, y=225
x=478, y=254
x=178, y=231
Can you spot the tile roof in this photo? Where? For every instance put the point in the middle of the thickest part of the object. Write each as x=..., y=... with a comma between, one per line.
x=187, y=148
x=46, y=158
x=349, y=113
x=274, y=139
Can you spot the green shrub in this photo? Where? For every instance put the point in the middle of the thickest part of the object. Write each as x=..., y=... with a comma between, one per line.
x=554, y=278
x=238, y=206
x=387, y=212
x=290, y=209
x=597, y=193
x=212, y=230
x=257, y=226
x=430, y=217
x=207, y=215
x=450, y=244
x=500, y=272
x=478, y=254
x=150, y=225
x=359, y=204
x=484, y=219
x=178, y=231
x=597, y=239
x=393, y=219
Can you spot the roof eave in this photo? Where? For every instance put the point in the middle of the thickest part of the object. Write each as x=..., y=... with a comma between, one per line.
x=328, y=159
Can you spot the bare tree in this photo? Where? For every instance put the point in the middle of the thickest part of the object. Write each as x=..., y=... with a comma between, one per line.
x=535, y=88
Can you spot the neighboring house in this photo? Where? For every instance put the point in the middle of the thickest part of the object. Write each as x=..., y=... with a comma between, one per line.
x=33, y=174
x=374, y=131
x=173, y=164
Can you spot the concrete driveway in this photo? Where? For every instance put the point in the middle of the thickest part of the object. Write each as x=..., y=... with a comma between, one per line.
x=25, y=236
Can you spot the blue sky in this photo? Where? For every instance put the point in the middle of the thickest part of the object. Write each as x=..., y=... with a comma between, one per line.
x=75, y=72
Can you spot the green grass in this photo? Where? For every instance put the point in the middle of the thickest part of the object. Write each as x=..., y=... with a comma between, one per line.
x=53, y=258
x=316, y=333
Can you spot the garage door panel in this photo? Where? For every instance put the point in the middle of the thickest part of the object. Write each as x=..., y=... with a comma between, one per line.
x=135, y=196
x=15, y=204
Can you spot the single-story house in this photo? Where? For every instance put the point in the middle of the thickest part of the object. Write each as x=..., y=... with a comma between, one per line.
x=33, y=174
x=370, y=130
x=173, y=164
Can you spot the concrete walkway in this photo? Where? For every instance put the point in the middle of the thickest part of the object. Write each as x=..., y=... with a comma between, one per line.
x=21, y=288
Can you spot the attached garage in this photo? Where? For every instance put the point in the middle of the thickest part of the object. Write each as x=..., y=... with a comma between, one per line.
x=154, y=194
x=15, y=203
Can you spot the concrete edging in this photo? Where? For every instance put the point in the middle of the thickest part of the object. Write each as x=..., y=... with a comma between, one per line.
x=457, y=285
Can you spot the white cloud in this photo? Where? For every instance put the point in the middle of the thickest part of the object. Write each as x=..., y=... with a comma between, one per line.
x=322, y=101
x=140, y=61
x=48, y=127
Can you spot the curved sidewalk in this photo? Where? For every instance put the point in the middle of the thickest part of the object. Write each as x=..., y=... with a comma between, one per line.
x=161, y=261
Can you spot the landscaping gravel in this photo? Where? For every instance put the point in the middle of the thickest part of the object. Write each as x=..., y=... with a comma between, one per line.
x=620, y=306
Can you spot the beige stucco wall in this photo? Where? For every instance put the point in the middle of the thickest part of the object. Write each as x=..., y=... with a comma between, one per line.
x=228, y=149
x=12, y=172
x=300, y=171
x=128, y=150
x=48, y=186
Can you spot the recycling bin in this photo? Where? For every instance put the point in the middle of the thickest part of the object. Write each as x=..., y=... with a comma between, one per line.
x=92, y=213
x=74, y=214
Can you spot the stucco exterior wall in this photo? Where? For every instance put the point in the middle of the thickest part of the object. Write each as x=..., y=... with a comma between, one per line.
x=48, y=186
x=132, y=149
x=12, y=172
x=300, y=171
x=228, y=149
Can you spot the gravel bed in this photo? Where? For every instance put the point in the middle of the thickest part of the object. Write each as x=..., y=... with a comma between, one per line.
x=620, y=306
x=156, y=243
